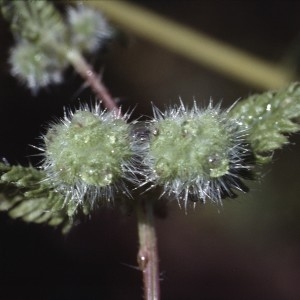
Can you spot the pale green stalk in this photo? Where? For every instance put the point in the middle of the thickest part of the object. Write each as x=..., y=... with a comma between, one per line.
x=196, y=45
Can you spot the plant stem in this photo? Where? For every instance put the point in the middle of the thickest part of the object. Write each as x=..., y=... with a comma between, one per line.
x=196, y=45
x=94, y=81
x=147, y=255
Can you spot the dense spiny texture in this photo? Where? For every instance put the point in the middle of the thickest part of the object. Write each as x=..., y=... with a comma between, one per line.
x=88, y=155
x=197, y=154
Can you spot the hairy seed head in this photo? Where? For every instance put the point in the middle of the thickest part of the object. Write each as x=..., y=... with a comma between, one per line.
x=89, y=154
x=197, y=154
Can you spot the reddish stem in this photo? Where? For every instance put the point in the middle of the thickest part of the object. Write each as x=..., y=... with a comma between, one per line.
x=147, y=255
x=92, y=79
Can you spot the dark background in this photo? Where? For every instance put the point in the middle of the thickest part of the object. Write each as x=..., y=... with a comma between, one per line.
x=247, y=249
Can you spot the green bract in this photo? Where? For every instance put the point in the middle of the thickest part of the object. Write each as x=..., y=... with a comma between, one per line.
x=25, y=194
x=269, y=117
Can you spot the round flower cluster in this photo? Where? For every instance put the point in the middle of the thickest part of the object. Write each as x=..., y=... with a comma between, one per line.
x=198, y=154
x=89, y=154
x=194, y=154
x=89, y=29
x=34, y=67
x=44, y=40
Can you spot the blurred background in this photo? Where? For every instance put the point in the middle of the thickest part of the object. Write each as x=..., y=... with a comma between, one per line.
x=249, y=248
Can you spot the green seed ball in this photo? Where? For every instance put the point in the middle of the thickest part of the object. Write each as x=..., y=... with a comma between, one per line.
x=190, y=146
x=197, y=154
x=91, y=148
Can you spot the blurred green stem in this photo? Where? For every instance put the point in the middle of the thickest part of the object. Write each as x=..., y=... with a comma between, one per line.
x=195, y=45
x=147, y=255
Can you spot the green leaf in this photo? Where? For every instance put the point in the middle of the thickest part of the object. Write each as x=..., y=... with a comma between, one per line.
x=25, y=194
x=269, y=118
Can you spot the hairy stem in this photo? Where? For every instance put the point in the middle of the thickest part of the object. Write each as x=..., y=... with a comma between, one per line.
x=91, y=78
x=147, y=254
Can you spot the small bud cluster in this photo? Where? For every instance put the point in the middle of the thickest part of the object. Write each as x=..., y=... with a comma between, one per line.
x=89, y=28
x=34, y=67
x=195, y=154
x=44, y=39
